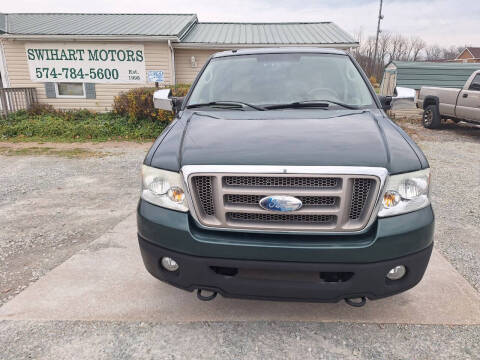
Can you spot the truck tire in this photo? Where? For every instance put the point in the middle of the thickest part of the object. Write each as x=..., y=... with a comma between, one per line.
x=431, y=117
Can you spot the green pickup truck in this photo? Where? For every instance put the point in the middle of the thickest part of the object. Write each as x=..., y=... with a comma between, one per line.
x=282, y=178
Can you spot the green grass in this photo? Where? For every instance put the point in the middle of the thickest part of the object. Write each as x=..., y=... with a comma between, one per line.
x=77, y=126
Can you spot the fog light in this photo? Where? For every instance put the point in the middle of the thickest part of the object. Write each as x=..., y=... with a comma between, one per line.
x=397, y=273
x=169, y=264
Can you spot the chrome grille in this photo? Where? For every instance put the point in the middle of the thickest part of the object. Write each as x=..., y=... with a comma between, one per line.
x=287, y=181
x=331, y=202
x=299, y=219
x=306, y=200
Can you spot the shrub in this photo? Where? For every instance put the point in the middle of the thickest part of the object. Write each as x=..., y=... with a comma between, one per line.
x=47, y=109
x=137, y=104
x=40, y=109
x=80, y=125
x=373, y=81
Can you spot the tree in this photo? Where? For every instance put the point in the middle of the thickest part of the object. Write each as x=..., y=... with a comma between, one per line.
x=416, y=45
x=394, y=46
x=433, y=53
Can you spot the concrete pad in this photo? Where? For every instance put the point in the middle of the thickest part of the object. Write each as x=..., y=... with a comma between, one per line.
x=107, y=281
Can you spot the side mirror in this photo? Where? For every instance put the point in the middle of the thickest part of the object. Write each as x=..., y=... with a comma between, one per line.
x=177, y=103
x=162, y=99
x=386, y=102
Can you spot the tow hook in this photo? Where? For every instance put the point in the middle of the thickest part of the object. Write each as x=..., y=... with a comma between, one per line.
x=212, y=294
x=356, y=301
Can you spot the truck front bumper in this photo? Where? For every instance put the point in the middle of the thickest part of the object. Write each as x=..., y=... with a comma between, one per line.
x=294, y=267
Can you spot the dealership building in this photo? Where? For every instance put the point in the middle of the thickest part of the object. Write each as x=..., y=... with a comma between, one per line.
x=75, y=61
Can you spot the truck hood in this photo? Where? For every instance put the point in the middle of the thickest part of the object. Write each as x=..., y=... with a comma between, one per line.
x=302, y=138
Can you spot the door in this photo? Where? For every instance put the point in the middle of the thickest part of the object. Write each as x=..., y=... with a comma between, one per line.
x=468, y=103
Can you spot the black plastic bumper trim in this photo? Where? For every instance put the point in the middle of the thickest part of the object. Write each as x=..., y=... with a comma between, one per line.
x=368, y=280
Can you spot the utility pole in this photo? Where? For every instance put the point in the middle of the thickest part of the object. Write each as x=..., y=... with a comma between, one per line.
x=380, y=17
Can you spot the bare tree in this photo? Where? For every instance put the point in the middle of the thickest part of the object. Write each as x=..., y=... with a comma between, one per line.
x=364, y=52
x=399, y=48
x=452, y=52
x=384, y=43
x=416, y=45
x=393, y=47
x=433, y=53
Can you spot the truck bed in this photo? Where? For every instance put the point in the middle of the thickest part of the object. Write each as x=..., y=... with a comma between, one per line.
x=446, y=96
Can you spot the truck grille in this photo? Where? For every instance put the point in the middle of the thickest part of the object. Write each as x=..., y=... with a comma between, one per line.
x=203, y=187
x=285, y=182
x=361, y=189
x=268, y=218
x=331, y=203
x=232, y=199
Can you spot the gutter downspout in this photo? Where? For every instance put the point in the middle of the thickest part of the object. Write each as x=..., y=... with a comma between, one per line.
x=3, y=67
x=172, y=57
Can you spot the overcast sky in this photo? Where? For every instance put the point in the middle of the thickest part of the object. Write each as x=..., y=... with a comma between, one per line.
x=442, y=22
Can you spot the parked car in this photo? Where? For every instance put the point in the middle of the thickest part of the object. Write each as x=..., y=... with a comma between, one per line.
x=282, y=178
x=447, y=103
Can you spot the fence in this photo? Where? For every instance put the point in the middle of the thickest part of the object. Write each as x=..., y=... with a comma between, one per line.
x=14, y=99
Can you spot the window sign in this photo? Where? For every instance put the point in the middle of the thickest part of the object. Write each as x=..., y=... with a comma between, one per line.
x=155, y=76
x=92, y=63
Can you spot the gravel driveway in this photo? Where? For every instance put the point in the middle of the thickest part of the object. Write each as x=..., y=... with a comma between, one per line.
x=53, y=206
x=453, y=153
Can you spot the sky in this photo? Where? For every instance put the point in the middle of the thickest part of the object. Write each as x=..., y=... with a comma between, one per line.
x=441, y=22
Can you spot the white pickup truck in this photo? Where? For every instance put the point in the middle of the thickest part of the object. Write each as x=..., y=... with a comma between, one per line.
x=446, y=103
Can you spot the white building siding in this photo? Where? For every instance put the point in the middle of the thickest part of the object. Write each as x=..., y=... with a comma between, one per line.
x=185, y=72
x=157, y=57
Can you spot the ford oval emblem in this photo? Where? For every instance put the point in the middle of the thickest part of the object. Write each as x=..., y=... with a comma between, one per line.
x=280, y=203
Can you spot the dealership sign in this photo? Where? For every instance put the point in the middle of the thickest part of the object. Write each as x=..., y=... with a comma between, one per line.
x=92, y=63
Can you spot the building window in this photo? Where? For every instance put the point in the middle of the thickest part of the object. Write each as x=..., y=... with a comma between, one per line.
x=70, y=90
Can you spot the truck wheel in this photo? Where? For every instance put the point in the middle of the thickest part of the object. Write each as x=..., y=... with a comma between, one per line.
x=431, y=117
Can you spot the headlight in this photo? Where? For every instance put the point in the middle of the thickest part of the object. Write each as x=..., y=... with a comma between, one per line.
x=406, y=193
x=163, y=188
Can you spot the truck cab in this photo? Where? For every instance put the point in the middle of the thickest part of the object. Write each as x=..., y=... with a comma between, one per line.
x=282, y=178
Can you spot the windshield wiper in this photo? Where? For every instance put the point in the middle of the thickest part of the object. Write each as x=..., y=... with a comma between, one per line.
x=226, y=103
x=310, y=104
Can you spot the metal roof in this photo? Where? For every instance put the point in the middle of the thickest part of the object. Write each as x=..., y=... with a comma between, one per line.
x=185, y=27
x=414, y=75
x=268, y=33
x=97, y=24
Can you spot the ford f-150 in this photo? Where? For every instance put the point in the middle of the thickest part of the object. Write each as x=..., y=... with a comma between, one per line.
x=281, y=177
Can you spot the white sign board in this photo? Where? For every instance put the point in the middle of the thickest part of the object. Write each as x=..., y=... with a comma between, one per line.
x=91, y=63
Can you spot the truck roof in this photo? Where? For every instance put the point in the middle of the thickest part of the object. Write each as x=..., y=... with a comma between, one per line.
x=278, y=50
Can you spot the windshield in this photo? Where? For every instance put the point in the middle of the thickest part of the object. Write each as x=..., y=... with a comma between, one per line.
x=274, y=79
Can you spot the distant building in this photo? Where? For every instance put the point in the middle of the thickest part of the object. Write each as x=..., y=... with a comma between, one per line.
x=469, y=55
x=414, y=75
